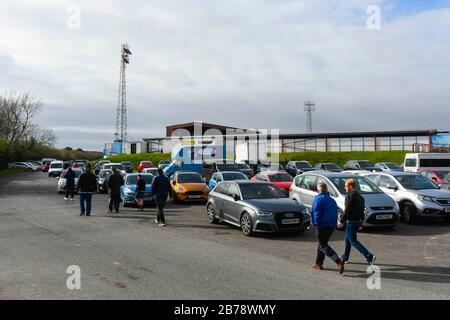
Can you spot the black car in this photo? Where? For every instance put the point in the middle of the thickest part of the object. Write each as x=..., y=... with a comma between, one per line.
x=127, y=166
x=245, y=169
x=294, y=168
x=332, y=167
x=361, y=165
x=101, y=180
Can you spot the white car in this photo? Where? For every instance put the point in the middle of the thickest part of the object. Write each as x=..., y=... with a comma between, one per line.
x=23, y=165
x=55, y=169
x=416, y=195
x=62, y=179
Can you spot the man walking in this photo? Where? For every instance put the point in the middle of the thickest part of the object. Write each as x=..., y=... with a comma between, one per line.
x=354, y=216
x=87, y=184
x=324, y=217
x=161, y=189
x=70, y=184
x=114, y=182
x=140, y=190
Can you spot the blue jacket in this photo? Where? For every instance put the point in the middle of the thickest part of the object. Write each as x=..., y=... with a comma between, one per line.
x=324, y=211
x=161, y=187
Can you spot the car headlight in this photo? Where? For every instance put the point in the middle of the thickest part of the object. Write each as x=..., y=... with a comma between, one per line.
x=179, y=189
x=264, y=213
x=396, y=206
x=424, y=198
x=207, y=189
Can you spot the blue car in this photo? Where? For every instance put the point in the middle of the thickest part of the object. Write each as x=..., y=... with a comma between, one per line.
x=225, y=176
x=128, y=190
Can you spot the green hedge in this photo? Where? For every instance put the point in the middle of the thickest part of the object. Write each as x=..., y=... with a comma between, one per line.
x=136, y=158
x=342, y=157
x=7, y=172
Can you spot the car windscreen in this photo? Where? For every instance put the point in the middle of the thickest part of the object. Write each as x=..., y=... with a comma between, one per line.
x=113, y=166
x=189, y=178
x=227, y=167
x=234, y=176
x=56, y=165
x=332, y=166
x=364, y=164
x=302, y=165
x=392, y=165
x=441, y=174
x=415, y=182
x=146, y=163
x=260, y=191
x=279, y=177
x=104, y=174
x=126, y=164
x=243, y=166
x=132, y=180
x=363, y=185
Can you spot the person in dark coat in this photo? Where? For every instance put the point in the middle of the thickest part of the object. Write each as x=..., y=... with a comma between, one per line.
x=70, y=184
x=353, y=217
x=87, y=184
x=161, y=189
x=114, y=182
x=324, y=216
x=140, y=190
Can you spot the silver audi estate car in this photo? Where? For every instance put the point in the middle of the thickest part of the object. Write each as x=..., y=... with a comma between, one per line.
x=381, y=210
x=256, y=207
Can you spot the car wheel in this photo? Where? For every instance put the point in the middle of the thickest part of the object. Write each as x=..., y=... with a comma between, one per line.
x=246, y=224
x=409, y=213
x=211, y=214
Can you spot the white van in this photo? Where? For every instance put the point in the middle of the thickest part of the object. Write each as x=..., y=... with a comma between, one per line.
x=426, y=161
x=55, y=169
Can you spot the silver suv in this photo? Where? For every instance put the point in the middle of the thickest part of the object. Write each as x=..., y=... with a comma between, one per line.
x=381, y=210
x=416, y=195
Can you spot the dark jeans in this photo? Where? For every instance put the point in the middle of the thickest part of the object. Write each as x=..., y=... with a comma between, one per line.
x=160, y=203
x=85, y=197
x=70, y=190
x=323, y=236
x=114, y=200
x=350, y=240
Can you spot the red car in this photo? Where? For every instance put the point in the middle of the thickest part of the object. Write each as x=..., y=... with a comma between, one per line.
x=144, y=164
x=437, y=176
x=282, y=180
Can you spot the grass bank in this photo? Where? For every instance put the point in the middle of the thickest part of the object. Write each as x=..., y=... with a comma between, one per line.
x=7, y=172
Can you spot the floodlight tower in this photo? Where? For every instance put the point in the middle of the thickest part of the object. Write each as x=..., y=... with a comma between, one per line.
x=121, y=117
x=310, y=107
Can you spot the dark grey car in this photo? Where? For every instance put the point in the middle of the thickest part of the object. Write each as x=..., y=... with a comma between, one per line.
x=256, y=207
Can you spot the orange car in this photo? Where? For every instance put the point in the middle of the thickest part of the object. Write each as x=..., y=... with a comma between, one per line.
x=188, y=186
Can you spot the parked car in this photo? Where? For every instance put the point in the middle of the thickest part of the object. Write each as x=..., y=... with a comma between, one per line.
x=127, y=166
x=332, y=167
x=245, y=169
x=437, y=176
x=23, y=165
x=153, y=171
x=282, y=180
x=295, y=168
x=225, y=176
x=389, y=167
x=36, y=164
x=380, y=210
x=446, y=182
x=62, y=180
x=267, y=166
x=144, y=164
x=256, y=207
x=55, y=169
x=79, y=165
x=45, y=163
x=112, y=166
x=101, y=180
x=360, y=165
x=416, y=195
x=128, y=190
x=163, y=163
x=188, y=186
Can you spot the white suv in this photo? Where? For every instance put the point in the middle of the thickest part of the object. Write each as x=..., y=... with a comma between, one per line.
x=416, y=195
x=55, y=169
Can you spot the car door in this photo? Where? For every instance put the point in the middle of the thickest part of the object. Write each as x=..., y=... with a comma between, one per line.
x=308, y=189
x=232, y=207
x=220, y=199
x=386, y=183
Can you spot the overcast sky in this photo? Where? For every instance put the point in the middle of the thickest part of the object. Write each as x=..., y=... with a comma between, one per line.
x=244, y=63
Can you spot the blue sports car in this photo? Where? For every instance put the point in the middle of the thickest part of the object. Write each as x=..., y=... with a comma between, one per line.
x=128, y=190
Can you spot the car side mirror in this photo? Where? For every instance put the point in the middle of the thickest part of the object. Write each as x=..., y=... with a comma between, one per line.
x=395, y=188
x=236, y=197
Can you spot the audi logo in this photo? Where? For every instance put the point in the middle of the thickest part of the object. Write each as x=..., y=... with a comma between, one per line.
x=289, y=215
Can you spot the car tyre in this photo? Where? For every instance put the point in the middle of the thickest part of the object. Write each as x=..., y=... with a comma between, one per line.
x=211, y=214
x=409, y=213
x=246, y=224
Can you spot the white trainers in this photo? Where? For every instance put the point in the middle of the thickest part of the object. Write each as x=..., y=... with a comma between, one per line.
x=71, y=199
x=65, y=198
x=156, y=221
x=162, y=224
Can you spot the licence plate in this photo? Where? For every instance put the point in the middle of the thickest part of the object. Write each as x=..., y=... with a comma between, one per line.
x=290, y=221
x=385, y=217
x=447, y=209
x=195, y=197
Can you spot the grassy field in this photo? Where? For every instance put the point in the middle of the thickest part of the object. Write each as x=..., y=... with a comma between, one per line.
x=342, y=157
x=313, y=157
x=7, y=172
